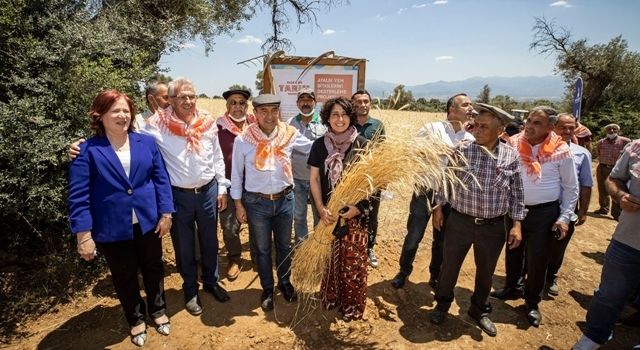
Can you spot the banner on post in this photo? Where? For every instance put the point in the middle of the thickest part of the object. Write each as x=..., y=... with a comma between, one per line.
x=577, y=99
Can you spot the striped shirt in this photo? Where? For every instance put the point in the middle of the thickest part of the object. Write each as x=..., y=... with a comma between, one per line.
x=610, y=150
x=493, y=182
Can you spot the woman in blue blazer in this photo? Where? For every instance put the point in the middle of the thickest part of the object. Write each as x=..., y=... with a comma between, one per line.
x=120, y=203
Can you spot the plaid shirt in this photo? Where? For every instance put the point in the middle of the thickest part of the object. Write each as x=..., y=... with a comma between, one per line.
x=610, y=150
x=494, y=185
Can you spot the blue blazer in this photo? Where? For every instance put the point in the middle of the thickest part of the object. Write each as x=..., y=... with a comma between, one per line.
x=101, y=196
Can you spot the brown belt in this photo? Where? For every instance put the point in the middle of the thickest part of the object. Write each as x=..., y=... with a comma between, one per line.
x=274, y=196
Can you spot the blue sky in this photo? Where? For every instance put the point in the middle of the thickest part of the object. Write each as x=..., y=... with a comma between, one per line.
x=415, y=42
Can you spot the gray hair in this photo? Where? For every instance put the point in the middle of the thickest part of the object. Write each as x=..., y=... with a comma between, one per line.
x=177, y=84
x=152, y=87
x=548, y=111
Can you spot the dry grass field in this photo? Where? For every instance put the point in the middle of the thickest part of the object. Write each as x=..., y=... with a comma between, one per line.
x=394, y=319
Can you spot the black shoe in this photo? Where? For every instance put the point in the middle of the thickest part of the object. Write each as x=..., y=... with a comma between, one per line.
x=193, y=306
x=288, y=292
x=507, y=293
x=438, y=316
x=398, y=281
x=433, y=283
x=533, y=316
x=266, y=300
x=484, y=323
x=601, y=211
x=218, y=292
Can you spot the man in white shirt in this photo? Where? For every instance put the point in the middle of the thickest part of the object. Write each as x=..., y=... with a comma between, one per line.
x=550, y=196
x=459, y=112
x=187, y=138
x=262, y=189
x=157, y=97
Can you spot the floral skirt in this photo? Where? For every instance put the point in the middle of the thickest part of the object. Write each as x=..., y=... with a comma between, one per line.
x=345, y=283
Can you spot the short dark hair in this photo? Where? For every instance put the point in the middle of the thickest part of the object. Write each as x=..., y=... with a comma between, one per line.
x=361, y=92
x=452, y=99
x=548, y=111
x=325, y=112
x=101, y=105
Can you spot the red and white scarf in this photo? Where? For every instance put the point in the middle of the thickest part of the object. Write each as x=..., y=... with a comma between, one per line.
x=553, y=148
x=168, y=123
x=272, y=149
x=226, y=123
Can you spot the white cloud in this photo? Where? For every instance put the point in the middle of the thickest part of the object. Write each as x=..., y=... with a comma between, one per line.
x=561, y=3
x=329, y=32
x=441, y=2
x=250, y=39
x=419, y=6
x=444, y=58
x=401, y=10
x=380, y=17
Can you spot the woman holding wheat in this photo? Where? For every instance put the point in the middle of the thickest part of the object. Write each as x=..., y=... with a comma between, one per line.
x=345, y=282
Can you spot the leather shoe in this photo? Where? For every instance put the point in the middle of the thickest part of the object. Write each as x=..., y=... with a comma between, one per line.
x=533, y=316
x=507, y=293
x=288, y=292
x=398, y=281
x=266, y=300
x=433, y=283
x=438, y=316
x=552, y=288
x=233, y=271
x=218, y=292
x=484, y=323
x=193, y=306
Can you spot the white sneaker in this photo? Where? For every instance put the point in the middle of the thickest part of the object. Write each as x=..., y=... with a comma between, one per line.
x=373, y=259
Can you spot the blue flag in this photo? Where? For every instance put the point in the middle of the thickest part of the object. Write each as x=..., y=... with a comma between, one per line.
x=577, y=99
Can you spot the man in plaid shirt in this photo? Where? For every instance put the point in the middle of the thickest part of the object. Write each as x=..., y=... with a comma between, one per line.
x=608, y=150
x=488, y=210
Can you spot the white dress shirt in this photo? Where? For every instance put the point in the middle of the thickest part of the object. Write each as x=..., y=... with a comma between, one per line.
x=125, y=159
x=188, y=169
x=445, y=131
x=243, y=168
x=558, y=181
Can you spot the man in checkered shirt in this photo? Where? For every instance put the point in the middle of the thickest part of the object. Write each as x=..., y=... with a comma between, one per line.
x=608, y=150
x=483, y=215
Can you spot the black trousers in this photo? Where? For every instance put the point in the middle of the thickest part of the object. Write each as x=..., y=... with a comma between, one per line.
x=558, y=248
x=537, y=239
x=373, y=219
x=487, y=241
x=124, y=258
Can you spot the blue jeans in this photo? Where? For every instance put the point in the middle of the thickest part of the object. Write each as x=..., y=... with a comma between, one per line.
x=419, y=215
x=201, y=208
x=619, y=280
x=269, y=219
x=301, y=192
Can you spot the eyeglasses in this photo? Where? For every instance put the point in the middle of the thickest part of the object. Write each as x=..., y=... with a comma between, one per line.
x=187, y=97
x=339, y=115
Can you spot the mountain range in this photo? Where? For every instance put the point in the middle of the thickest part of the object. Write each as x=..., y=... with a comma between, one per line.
x=519, y=88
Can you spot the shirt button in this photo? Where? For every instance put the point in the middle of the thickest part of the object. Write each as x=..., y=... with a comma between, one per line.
x=129, y=191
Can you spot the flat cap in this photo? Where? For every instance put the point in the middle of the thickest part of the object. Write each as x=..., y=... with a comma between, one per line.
x=266, y=99
x=501, y=114
x=306, y=91
x=245, y=93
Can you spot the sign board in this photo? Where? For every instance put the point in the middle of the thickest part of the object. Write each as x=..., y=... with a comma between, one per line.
x=329, y=77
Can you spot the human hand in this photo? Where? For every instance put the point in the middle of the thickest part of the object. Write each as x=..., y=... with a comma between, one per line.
x=561, y=228
x=86, y=246
x=164, y=225
x=581, y=219
x=351, y=212
x=241, y=213
x=515, y=237
x=222, y=202
x=437, y=220
x=326, y=216
x=74, y=149
x=629, y=202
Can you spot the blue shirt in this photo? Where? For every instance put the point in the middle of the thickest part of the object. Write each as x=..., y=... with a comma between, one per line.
x=311, y=131
x=582, y=160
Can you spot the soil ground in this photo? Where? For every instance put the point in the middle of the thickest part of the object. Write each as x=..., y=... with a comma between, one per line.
x=394, y=319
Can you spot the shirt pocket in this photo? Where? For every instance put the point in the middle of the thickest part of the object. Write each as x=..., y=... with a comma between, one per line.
x=503, y=178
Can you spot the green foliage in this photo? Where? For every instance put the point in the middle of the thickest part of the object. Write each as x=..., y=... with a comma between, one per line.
x=624, y=115
x=485, y=94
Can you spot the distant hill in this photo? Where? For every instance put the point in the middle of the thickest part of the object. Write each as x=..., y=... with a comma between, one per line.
x=521, y=88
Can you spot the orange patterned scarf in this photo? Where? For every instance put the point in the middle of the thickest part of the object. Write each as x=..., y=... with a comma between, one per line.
x=168, y=122
x=270, y=149
x=226, y=123
x=552, y=148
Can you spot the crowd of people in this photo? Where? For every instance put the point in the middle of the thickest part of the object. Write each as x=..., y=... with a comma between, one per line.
x=177, y=170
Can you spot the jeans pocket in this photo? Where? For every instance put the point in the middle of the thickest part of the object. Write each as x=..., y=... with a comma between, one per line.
x=289, y=196
x=249, y=198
